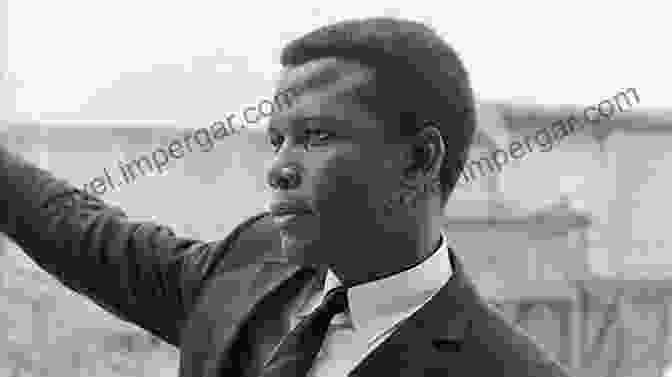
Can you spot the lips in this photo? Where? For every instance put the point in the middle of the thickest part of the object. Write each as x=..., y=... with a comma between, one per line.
x=285, y=213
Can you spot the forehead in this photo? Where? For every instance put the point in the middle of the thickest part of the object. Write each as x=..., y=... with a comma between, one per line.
x=324, y=88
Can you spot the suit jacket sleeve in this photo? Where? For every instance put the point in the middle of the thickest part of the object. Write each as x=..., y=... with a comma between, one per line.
x=141, y=272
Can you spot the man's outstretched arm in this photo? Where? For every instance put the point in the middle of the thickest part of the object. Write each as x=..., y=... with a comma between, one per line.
x=141, y=272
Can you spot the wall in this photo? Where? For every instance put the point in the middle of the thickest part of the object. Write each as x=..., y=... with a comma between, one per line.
x=515, y=263
x=638, y=221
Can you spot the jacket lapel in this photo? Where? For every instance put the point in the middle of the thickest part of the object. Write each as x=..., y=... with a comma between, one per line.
x=430, y=342
x=228, y=303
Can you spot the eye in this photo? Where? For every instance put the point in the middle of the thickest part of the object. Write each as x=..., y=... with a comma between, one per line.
x=316, y=137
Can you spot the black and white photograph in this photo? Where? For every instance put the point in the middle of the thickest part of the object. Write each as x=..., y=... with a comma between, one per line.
x=350, y=189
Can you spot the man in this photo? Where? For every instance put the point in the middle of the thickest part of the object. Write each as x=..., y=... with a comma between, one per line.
x=349, y=273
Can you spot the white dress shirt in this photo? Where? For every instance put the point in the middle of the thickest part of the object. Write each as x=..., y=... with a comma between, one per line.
x=376, y=309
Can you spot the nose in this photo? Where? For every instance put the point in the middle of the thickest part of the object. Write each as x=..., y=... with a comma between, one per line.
x=284, y=178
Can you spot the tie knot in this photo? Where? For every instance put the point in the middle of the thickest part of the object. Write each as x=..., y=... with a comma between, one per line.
x=335, y=301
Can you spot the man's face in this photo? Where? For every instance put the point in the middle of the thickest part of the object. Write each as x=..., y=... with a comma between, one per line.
x=334, y=166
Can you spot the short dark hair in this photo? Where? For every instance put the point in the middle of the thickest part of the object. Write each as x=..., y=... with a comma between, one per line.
x=418, y=79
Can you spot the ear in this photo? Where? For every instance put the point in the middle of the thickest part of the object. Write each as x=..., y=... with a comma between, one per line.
x=426, y=155
x=423, y=158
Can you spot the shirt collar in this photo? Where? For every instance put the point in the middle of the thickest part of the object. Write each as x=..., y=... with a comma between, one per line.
x=380, y=304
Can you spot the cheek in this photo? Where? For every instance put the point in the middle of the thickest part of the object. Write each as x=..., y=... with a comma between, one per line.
x=350, y=182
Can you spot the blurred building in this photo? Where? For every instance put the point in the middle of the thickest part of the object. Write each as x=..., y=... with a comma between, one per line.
x=569, y=244
x=609, y=183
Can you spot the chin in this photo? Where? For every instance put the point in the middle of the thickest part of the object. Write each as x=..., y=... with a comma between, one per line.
x=301, y=251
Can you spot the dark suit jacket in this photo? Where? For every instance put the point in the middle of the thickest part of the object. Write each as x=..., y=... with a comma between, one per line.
x=225, y=303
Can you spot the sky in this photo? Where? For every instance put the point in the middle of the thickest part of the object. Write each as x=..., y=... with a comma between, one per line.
x=63, y=54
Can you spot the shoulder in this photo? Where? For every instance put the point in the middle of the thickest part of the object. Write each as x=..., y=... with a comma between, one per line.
x=248, y=243
x=509, y=346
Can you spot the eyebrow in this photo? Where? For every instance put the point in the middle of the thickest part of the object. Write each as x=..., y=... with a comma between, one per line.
x=301, y=121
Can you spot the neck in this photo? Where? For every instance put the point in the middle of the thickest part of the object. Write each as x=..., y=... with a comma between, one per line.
x=390, y=251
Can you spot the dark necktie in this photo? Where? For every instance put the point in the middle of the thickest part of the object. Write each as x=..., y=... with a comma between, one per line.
x=294, y=356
